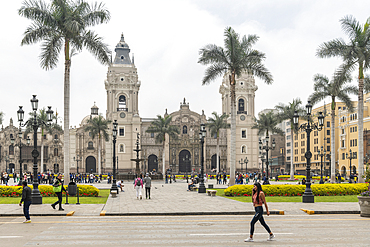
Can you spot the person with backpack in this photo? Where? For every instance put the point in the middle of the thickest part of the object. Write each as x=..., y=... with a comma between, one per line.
x=258, y=198
x=138, y=185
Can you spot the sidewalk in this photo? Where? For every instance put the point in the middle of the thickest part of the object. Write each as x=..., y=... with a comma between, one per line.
x=173, y=199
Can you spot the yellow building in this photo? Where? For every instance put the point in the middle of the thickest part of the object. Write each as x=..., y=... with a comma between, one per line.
x=346, y=139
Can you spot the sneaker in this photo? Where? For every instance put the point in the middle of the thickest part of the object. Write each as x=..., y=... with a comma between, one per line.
x=27, y=221
x=53, y=206
x=249, y=240
x=271, y=237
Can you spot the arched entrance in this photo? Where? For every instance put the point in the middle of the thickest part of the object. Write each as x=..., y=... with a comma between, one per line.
x=152, y=163
x=184, y=161
x=354, y=171
x=90, y=164
x=56, y=168
x=213, y=162
x=11, y=168
x=44, y=168
x=343, y=171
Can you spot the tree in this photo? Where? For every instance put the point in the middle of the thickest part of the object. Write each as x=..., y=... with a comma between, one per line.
x=215, y=124
x=98, y=126
x=162, y=127
x=63, y=25
x=236, y=58
x=335, y=89
x=355, y=54
x=1, y=117
x=286, y=112
x=267, y=124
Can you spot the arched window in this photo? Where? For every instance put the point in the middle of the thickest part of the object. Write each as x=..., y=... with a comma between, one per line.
x=90, y=145
x=244, y=149
x=122, y=102
x=11, y=150
x=55, y=152
x=121, y=148
x=241, y=105
x=184, y=129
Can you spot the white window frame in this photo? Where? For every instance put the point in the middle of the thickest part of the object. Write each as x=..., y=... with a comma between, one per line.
x=124, y=148
x=241, y=149
x=124, y=131
x=241, y=133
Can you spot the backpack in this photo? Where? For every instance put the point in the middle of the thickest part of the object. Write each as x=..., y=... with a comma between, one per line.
x=138, y=182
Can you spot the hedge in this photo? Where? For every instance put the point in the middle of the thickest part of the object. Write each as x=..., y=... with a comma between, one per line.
x=47, y=190
x=298, y=190
x=300, y=177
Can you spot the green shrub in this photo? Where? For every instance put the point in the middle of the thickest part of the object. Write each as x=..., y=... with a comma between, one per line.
x=300, y=177
x=297, y=190
x=47, y=190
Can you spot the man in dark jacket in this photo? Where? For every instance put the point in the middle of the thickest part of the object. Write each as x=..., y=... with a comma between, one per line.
x=57, y=183
x=27, y=200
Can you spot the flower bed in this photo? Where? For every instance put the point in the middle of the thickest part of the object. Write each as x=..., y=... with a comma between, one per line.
x=47, y=190
x=298, y=190
x=300, y=177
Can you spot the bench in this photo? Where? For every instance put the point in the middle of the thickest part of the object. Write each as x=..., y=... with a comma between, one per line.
x=194, y=188
x=211, y=192
x=113, y=193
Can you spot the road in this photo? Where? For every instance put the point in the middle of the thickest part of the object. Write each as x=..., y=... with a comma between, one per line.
x=290, y=230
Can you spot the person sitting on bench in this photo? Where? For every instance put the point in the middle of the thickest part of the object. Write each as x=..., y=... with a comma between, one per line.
x=191, y=185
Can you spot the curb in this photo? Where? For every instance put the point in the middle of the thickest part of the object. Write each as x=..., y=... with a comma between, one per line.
x=34, y=214
x=104, y=213
x=330, y=212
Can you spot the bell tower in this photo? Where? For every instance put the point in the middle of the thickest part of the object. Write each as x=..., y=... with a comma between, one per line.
x=122, y=86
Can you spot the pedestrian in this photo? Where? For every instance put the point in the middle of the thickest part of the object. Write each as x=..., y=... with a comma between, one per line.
x=58, y=189
x=138, y=186
x=120, y=185
x=27, y=200
x=259, y=199
x=303, y=181
x=148, y=185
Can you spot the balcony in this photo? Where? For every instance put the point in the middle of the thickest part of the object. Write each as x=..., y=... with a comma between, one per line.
x=122, y=109
x=242, y=112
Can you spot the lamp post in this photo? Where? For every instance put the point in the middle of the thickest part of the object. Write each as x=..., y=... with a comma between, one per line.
x=267, y=148
x=245, y=161
x=35, y=123
x=308, y=197
x=321, y=154
x=20, y=145
x=114, y=184
x=329, y=162
x=77, y=160
x=202, y=134
x=350, y=157
x=263, y=159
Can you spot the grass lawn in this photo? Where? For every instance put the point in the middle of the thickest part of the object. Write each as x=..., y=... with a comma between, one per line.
x=101, y=199
x=349, y=198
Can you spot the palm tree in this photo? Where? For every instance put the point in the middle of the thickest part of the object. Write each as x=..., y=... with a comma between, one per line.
x=267, y=123
x=63, y=25
x=335, y=89
x=162, y=127
x=236, y=58
x=355, y=53
x=98, y=126
x=286, y=112
x=1, y=117
x=215, y=124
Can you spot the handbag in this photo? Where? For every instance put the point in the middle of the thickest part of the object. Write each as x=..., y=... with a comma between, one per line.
x=57, y=189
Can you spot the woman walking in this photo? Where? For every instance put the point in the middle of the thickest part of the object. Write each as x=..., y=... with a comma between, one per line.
x=258, y=198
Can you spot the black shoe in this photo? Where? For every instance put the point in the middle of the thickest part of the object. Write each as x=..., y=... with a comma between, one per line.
x=53, y=206
x=61, y=209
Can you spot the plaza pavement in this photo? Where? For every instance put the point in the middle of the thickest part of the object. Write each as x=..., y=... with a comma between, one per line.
x=174, y=199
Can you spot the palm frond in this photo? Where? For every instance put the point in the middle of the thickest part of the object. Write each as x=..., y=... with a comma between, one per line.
x=51, y=48
x=96, y=47
x=212, y=72
x=96, y=14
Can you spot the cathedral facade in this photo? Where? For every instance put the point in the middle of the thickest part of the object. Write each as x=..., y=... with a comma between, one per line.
x=182, y=155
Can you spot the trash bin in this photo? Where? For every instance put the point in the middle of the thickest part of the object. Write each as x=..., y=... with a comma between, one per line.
x=72, y=188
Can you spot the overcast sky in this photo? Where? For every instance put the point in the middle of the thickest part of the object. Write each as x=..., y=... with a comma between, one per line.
x=165, y=37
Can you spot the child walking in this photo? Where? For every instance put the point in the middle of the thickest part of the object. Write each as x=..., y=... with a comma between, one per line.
x=258, y=198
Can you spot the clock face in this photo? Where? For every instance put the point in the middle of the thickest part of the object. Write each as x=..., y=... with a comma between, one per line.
x=122, y=115
x=242, y=117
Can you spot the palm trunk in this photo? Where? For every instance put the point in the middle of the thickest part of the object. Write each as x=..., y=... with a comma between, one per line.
x=233, y=130
x=332, y=143
x=99, y=155
x=361, y=129
x=217, y=154
x=67, y=68
x=163, y=161
x=42, y=151
x=291, y=154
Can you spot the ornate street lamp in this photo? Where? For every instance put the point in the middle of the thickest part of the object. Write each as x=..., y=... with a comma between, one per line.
x=245, y=161
x=350, y=157
x=77, y=160
x=35, y=123
x=202, y=134
x=114, y=184
x=308, y=197
x=20, y=145
x=267, y=148
x=321, y=154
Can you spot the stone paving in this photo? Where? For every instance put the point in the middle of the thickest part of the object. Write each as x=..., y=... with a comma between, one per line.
x=174, y=199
